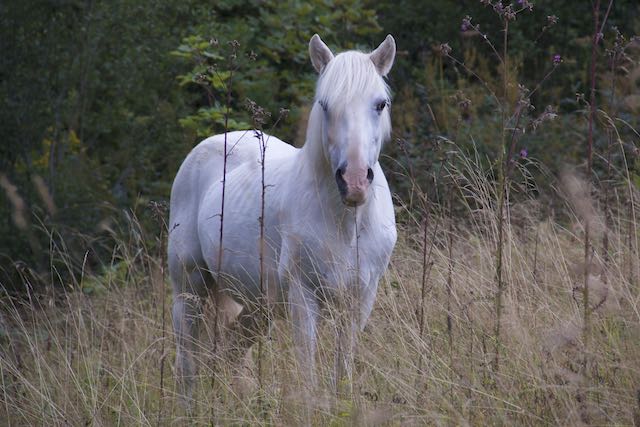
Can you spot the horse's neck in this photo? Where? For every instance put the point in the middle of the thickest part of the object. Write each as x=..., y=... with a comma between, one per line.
x=312, y=153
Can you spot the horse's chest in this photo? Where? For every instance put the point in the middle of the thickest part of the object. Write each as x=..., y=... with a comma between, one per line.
x=339, y=262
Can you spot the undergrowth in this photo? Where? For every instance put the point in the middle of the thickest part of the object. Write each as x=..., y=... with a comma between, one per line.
x=74, y=357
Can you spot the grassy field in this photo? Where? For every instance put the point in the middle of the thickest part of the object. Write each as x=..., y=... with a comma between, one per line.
x=101, y=352
x=507, y=302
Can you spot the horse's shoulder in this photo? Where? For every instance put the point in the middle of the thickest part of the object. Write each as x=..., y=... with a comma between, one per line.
x=382, y=220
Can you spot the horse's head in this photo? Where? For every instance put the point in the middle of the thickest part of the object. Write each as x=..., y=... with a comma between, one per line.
x=355, y=101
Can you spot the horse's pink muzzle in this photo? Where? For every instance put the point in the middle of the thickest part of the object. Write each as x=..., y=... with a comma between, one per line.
x=353, y=184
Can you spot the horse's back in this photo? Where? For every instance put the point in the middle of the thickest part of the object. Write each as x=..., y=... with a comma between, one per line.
x=201, y=169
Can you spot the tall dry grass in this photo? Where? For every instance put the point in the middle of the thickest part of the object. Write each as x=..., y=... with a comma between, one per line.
x=70, y=357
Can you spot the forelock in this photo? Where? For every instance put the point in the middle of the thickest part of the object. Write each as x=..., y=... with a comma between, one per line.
x=347, y=76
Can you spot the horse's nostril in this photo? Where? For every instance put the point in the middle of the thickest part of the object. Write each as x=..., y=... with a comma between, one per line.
x=342, y=184
x=369, y=175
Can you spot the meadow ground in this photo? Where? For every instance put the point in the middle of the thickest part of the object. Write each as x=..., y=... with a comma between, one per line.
x=102, y=353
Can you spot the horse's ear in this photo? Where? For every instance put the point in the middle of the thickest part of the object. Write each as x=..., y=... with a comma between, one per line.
x=319, y=52
x=384, y=55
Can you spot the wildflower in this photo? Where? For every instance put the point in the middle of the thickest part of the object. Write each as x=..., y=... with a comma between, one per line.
x=466, y=23
x=524, y=153
x=526, y=4
x=557, y=59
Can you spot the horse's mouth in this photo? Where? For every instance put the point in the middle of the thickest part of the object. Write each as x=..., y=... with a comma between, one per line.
x=353, y=202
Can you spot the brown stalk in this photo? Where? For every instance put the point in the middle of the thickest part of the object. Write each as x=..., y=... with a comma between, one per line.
x=587, y=226
x=158, y=211
x=502, y=186
x=216, y=319
x=450, y=284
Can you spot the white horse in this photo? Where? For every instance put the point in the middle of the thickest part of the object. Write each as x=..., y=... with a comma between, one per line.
x=329, y=225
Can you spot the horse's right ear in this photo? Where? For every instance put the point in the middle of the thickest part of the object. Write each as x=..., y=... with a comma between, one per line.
x=384, y=55
x=319, y=52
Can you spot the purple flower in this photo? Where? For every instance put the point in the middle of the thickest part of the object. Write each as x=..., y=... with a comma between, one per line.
x=525, y=4
x=466, y=23
x=524, y=153
x=557, y=59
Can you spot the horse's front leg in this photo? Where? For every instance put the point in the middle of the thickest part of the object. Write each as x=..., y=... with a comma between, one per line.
x=352, y=311
x=346, y=321
x=303, y=309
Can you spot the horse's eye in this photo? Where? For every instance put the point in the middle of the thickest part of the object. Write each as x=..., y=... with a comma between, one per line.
x=323, y=104
x=380, y=106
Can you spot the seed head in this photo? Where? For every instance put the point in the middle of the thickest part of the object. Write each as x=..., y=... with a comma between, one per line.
x=509, y=13
x=445, y=49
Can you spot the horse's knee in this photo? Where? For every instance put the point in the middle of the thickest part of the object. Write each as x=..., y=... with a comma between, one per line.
x=188, y=275
x=178, y=315
x=186, y=311
x=243, y=334
x=228, y=309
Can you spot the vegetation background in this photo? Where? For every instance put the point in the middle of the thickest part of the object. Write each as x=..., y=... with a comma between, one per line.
x=102, y=100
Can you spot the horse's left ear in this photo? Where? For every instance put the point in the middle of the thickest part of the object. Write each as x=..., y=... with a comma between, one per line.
x=384, y=55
